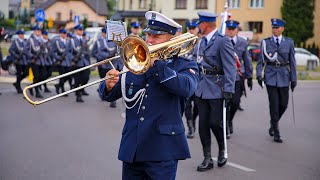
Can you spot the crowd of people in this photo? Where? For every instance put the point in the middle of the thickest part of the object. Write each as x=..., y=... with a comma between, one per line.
x=203, y=83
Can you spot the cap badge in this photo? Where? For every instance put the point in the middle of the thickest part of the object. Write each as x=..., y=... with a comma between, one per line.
x=153, y=16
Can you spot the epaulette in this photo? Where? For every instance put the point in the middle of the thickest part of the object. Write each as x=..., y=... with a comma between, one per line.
x=220, y=34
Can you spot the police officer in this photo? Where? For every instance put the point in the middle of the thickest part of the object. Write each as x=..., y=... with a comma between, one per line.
x=279, y=64
x=86, y=39
x=216, y=84
x=17, y=51
x=61, y=59
x=47, y=66
x=104, y=49
x=242, y=55
x=135, y=28
x=34, y=52
x=153, y=138
x=78, y=51
x=191, y=111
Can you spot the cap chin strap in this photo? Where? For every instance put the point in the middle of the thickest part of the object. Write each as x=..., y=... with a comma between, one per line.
x=139, y=96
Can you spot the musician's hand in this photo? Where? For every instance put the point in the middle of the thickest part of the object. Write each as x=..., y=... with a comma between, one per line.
x=260, y=81
x=113, y=79
x=249, y=83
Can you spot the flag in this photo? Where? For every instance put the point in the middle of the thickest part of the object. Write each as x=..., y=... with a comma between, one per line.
x=225, y=15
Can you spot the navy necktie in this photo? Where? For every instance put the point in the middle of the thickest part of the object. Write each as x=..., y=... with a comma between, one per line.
x=232, y=42
x=277, y=39
x=204, y=42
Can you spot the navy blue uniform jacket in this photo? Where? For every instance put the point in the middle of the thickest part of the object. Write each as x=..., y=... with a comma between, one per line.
x=154, y=130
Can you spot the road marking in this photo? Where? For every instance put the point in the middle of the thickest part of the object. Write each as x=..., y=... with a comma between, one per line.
x=234, y=165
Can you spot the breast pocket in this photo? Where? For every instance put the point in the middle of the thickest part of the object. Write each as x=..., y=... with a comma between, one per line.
x=133, y=84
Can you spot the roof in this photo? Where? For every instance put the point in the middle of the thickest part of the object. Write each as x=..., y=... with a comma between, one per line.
x=120, y=15
x=100, y=5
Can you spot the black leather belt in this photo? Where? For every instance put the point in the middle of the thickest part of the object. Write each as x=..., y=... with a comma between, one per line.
x=277, y=64
x=212, y=72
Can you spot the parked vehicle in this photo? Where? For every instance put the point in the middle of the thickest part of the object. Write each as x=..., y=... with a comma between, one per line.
x=305, y=58
x=254, y=51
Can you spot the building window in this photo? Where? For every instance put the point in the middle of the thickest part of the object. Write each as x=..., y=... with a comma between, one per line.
x=130, y=4
x=181, y=4
x=58, y=16
x=142, y=4
x=234, y=3
x=256, y=3
x=201, y=4
x=70, y=15
x=255, y=27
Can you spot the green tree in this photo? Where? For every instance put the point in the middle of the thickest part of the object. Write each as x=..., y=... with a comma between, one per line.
x=85, y=23
x=298, y=15
x=111, y=5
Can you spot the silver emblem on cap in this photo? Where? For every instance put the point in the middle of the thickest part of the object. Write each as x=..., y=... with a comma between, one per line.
x=153, y=16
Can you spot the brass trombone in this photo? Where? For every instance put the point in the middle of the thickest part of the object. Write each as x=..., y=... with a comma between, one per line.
x=136, y=56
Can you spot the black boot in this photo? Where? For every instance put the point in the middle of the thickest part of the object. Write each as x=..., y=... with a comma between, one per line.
x=57, y=88
x=38, y=95
x=31, y=91
x=190, y=134
x=79, y=99
x=221, y=159
x=62, y=91
x=113, y=104
x=18, y=88
x=271, y=129
x=277, y=137
x=207, y=163
x=230, y=123
x=46, y=89
x=85, y=93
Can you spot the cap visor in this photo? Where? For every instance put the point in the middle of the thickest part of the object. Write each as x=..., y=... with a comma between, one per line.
x=152, y=31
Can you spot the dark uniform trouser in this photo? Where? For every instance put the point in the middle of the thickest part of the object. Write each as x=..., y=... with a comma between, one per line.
x=210, y=117
x=22, y=72
x=47, y=72
x=153, y=170
x=235, y=101
x=191, y=113
x=278, y=102
x=37, y=74
x=81, y=78
x=102, y=72
x=63, y=70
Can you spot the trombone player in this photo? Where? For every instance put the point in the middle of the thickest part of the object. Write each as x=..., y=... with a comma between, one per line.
x=153, y=138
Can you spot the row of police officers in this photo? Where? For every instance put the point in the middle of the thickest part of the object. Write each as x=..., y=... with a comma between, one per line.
x=66, y=52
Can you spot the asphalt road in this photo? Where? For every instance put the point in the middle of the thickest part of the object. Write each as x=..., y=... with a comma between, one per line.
x=64, y=140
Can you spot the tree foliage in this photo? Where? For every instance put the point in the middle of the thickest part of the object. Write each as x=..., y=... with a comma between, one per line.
x=85, y=22
x=111, y=5
x=298, y=15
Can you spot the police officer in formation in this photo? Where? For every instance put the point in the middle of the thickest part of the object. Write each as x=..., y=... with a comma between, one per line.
x=17, y=51
x=104, y=49
x=191, y=110
x=135, y=28
x=241, y=55
x=216, y=84
x=279, y=65
x=60, y=55
x=48, y=62
x=78, y=52
x=153, y=138
x=34, y=53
